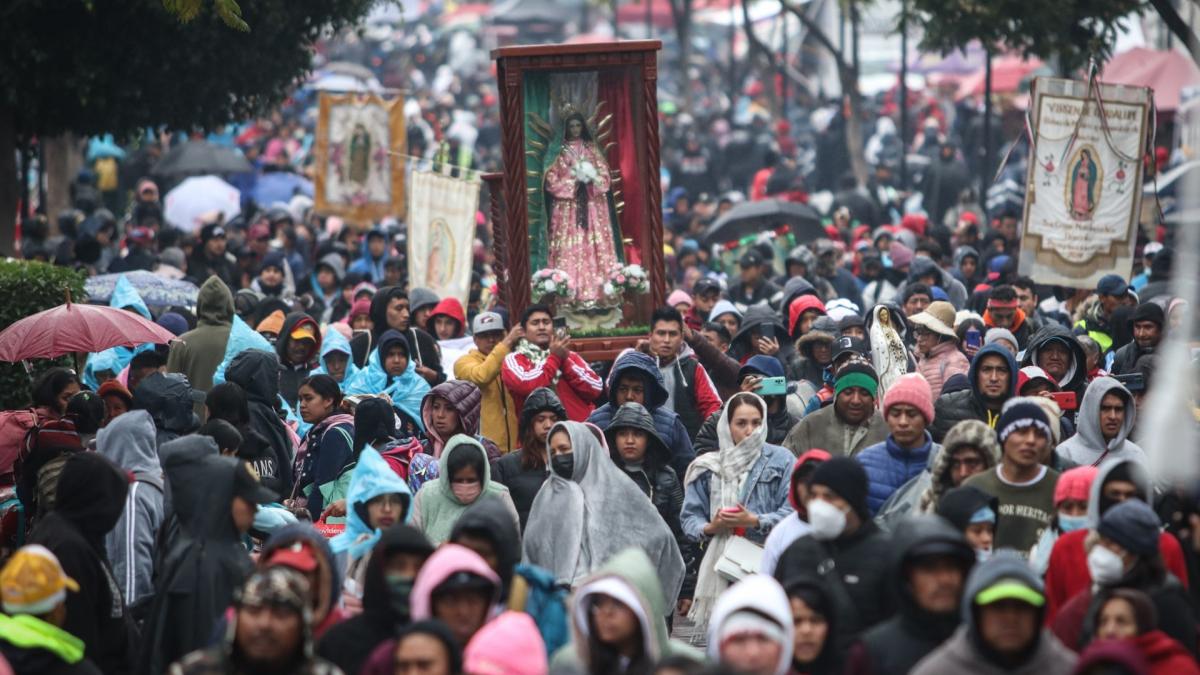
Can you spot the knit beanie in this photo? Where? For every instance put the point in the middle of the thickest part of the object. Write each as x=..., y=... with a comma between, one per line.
x=847, y=479
x=1148, y=311
x=857, y=374
x=1022, y=412
x=1133, y=525
x=911, y=389
x=1074, y=484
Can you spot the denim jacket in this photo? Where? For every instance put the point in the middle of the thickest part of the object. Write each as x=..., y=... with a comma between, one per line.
x=766, y=495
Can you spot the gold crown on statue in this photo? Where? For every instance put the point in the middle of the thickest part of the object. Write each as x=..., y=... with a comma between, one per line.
x=567, y=109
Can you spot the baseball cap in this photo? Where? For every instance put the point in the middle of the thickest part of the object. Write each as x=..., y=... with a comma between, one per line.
x=1010, y=589
x=705, y=285
x=211, y=231
x=1112, y=284
x=33, y=581
x=304, y=331
x=246, y=485
x=298, y=555
x=751, y=259
x=848, y=344
x=487, y=322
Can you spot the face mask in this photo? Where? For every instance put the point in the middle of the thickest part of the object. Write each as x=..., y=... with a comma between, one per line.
x=399, y=590
x=466, y=492
x=827, y=520
x=563, y=465
x=1071, y=523
x=1105, y=566
x=982, y=555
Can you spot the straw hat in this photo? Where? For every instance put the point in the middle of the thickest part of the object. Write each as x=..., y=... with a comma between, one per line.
x=937, y=317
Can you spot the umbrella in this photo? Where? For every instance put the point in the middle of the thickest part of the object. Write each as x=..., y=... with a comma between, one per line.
x=104, y=146
x=750, y=218
x=342, y=82
x=280, y=186
x=1168, y=73
x=201, y=157
x=198, y=196
x=75, y=327
x=155, y=290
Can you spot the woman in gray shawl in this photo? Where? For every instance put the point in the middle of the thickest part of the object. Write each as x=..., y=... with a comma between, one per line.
x=588, y=510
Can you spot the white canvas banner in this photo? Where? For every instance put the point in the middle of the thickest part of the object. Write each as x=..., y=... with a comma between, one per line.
x=441, y=233
x=1084, y=187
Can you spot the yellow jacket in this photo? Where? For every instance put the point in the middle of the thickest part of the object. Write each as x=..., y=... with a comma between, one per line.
x=498, y=412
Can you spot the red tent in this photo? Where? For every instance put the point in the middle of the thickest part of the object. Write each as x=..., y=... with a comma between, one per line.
x=1167, y=72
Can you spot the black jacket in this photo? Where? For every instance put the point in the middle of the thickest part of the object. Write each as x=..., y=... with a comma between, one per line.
x=424, y=347
x=257, y=372
x=490, y=519
x=201, y=267
x=1077, y=372
x=349, y=644
x=201, y=560
x=1125, y=358
x=965, y=404
x=896, y=645
x=90, y=500
x=779, y=423
x=523, y=483
x=857, y=572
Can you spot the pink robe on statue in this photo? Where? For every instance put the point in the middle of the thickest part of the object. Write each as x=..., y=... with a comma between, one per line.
x=586, y=254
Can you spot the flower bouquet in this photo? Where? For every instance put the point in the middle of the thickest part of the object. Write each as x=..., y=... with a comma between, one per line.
x=626, y=278
x=585, y=172
x=550, y=281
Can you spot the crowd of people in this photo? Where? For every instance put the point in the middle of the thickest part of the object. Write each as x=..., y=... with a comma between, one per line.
x=879, y=452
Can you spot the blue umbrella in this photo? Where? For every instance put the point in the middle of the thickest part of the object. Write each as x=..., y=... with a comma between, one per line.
x=280, y=186
x=154, y=290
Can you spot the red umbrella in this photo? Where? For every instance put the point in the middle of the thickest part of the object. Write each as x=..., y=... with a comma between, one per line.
x=77, y=328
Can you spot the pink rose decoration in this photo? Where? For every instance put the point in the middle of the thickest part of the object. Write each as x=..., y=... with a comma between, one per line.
x=620, y=278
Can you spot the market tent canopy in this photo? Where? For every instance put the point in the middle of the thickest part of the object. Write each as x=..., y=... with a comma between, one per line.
x=1167, y=72
x=1008, y=74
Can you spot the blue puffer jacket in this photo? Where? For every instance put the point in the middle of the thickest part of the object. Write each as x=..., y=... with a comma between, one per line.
x=889, y=466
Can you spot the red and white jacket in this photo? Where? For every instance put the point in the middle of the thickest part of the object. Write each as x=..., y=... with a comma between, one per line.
x=578, y=385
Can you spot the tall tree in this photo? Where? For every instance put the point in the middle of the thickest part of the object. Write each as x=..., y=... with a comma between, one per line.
x=95, y=66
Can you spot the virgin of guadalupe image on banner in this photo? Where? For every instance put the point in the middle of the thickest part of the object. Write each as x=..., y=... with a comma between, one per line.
x=360, y=144
x=1083, y=194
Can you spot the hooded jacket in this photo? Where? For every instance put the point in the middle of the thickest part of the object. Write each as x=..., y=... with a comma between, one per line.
x=968, y=433
x=756, y=317
x=329, y=574
x=1076, y=378
x=760, y=595
x=956, y=406
x=447, y=561
x=1166, y=656
x=632, y=574
x=578, y=523
x=291, y=374
x=372, y=477
x=167, y=397
x=201, y=560
x=370, y=267
x=524, y=482
x=960, y=504
x=115, y=359
x=198, y=352
x=965, y=653
x=490, y=519
x=1088, y=447
x=128, y=441
x=436, y=508
x=960, y=254
x=922, y=266
x=91, y=498
x=896, y=645
x=331, y=343
x=1067, y=571
x=498, y=410
x=670, y=427
x=465, y=398
x=257, y=372
x=423, y=350
x=406, y=390
x=452, y=308
x=349, y=643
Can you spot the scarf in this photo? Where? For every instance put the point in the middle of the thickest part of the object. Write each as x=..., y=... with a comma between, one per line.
x=729, y=468
x=536, y=356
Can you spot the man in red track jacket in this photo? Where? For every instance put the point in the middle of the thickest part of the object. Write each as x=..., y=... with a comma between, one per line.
x=544, y=359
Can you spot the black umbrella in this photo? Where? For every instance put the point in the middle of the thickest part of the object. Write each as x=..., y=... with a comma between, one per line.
x=750, y=218
x=201, y=157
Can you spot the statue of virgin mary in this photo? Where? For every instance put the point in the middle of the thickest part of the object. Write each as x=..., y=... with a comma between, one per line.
x=581, y=229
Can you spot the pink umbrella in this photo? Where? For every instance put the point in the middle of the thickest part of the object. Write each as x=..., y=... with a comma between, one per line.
x=77, y=328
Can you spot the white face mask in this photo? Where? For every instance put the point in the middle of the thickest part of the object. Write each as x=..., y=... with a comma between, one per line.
x=827, y=521
x=982, y=555
x=1105, y=566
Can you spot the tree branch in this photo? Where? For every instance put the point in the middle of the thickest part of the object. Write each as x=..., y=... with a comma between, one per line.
x=1177, y=26
x=817, y=34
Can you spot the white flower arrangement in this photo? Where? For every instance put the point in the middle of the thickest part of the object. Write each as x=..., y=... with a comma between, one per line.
x=550, y=281
x=631, y=278
x=585, y=172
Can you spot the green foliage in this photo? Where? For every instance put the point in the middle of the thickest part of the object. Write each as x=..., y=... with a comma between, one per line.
x=28, y=288
x=1073, y=30
x=123, y=66
x=619, y=331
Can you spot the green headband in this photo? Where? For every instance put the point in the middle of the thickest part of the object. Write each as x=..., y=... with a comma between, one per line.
x=861, y=380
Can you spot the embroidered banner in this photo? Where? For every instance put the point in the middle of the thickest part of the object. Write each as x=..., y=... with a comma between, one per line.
x=360, y=144
x=441, y=233
x=1084, y=186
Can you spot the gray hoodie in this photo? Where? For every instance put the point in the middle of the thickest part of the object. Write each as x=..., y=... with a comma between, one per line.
x=1087, y=446
x=962, y=652
x=129, y=442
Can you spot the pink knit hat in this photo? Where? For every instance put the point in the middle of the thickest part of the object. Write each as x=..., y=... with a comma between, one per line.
x=510, y=644
x=677, y=297
x=911, y=389
x=1075, y=484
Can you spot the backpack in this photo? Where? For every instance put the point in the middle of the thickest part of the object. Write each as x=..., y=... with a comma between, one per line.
x=14, y=426
x=408, y=459
x=535, y=592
